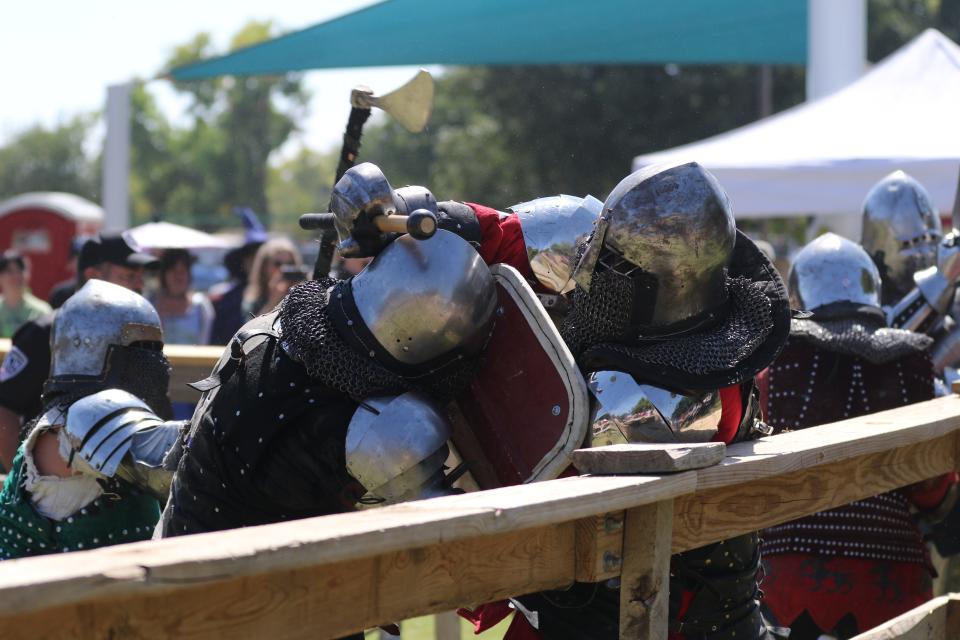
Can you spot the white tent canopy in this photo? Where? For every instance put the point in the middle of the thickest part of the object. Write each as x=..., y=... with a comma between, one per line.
x=166, y=235
x=822, y=157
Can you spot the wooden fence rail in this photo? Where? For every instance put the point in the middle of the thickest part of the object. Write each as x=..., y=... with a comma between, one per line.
x=328, y=576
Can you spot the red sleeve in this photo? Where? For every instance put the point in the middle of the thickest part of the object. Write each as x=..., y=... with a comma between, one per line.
x=731, y=414
x=501, y=239
x=928, y=495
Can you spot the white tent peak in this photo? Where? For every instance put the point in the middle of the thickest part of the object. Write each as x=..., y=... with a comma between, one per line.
x=822, y=157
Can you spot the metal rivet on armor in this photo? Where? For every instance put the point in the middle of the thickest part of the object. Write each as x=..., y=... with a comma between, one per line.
x=349, y=323
x=555, y=410
x=339, y=296
x=238, y=413
x=280, y=416
x=216, y=509
x=260, y=395
x=293, y=384
x=371, y=354
x=76, y=342
x=500, y=311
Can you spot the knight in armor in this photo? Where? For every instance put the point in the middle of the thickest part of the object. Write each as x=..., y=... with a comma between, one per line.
x=90, y=473
x=670, y=307
x=848, y=569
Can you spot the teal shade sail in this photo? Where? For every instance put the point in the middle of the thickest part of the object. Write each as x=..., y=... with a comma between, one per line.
x=507, y=32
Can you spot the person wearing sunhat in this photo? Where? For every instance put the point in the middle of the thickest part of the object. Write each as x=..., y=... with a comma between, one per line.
x=849, y=569
x=112, y=257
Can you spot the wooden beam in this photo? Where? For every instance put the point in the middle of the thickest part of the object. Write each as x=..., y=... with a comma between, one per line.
x=934, y=620
x=599, y=547
x=714, y=514
x=327, y=576
x=322, y=602
x=648, y=458
x=145, y=568
x=645, y=577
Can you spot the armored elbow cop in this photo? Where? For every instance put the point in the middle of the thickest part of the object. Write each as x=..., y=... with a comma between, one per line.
x=115, y=434
x=396, y=448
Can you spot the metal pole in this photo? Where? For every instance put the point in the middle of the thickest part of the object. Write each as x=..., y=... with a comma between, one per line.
x=116, y=158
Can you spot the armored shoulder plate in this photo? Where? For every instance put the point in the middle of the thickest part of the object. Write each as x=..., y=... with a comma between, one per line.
x=631, y=412
x=553, y=228
x=101, y=427
x=396, y=447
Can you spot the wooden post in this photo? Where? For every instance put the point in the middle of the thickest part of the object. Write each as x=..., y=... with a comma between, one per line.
x=447, y=626
x=645, y=573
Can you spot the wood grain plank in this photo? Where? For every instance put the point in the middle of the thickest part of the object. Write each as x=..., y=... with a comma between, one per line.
x=162, y=565
x=322, y=602
x=726, y=511
x=645, y=576
x=648, y=458
x=929, y=621
x=599, y=547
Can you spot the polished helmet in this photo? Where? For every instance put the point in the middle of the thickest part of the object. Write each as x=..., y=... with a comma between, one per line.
x=100, y=315
x=553, y=227
x=106, y=336
x=670, y=229
x=901, y=230
x=421, y=300
x=831, y=270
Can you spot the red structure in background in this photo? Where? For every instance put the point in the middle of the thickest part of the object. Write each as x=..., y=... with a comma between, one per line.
x=42, y=226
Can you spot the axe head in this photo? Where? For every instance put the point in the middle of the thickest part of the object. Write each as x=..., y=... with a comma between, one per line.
x=411, y=104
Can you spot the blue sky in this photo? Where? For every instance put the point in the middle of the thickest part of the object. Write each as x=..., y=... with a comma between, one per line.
x=59, y=55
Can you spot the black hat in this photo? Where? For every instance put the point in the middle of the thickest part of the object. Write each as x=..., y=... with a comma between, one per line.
x=113, y=248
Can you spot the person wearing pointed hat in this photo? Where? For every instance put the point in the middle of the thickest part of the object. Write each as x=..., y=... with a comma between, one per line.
x=846, y=570
x=666, y=304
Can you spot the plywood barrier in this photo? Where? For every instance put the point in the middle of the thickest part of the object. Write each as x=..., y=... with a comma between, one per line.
x=329, y=576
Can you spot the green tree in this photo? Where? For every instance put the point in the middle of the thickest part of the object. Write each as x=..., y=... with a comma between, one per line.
x=300, y=184
x=220, y=159
x=50, y=159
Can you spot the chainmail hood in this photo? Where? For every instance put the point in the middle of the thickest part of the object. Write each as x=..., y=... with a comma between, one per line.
x=310, y=336
x=744, y=341
x=864, y=336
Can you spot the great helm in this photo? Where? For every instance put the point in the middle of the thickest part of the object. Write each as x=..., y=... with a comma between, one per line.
x=901, y=230
x=669, y=228
x=106, y=336
x=420, y=302
x=833, y=270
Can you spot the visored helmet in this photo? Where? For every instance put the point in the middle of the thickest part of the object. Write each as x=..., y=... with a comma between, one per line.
x=671, y=230
x=98, y=316
x=901, y=230
x=831, y=270
x=108, y=336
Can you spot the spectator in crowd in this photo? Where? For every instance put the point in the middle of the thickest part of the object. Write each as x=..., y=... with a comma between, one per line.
x=109, y=257
x=227, y=297
x=17, y=304
x=186, y=316
x=268, y=283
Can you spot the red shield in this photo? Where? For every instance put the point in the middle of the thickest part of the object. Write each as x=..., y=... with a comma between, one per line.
x=527, y=410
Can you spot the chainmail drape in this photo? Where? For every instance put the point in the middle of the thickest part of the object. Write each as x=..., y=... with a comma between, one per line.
x=865, y=337
x=602, y=317
x=309, y=336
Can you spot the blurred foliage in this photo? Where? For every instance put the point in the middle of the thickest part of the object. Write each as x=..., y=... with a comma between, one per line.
x=300, y=184
x=50, y=159
x=504, y=134
x=219, y=159
x=498, y=135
